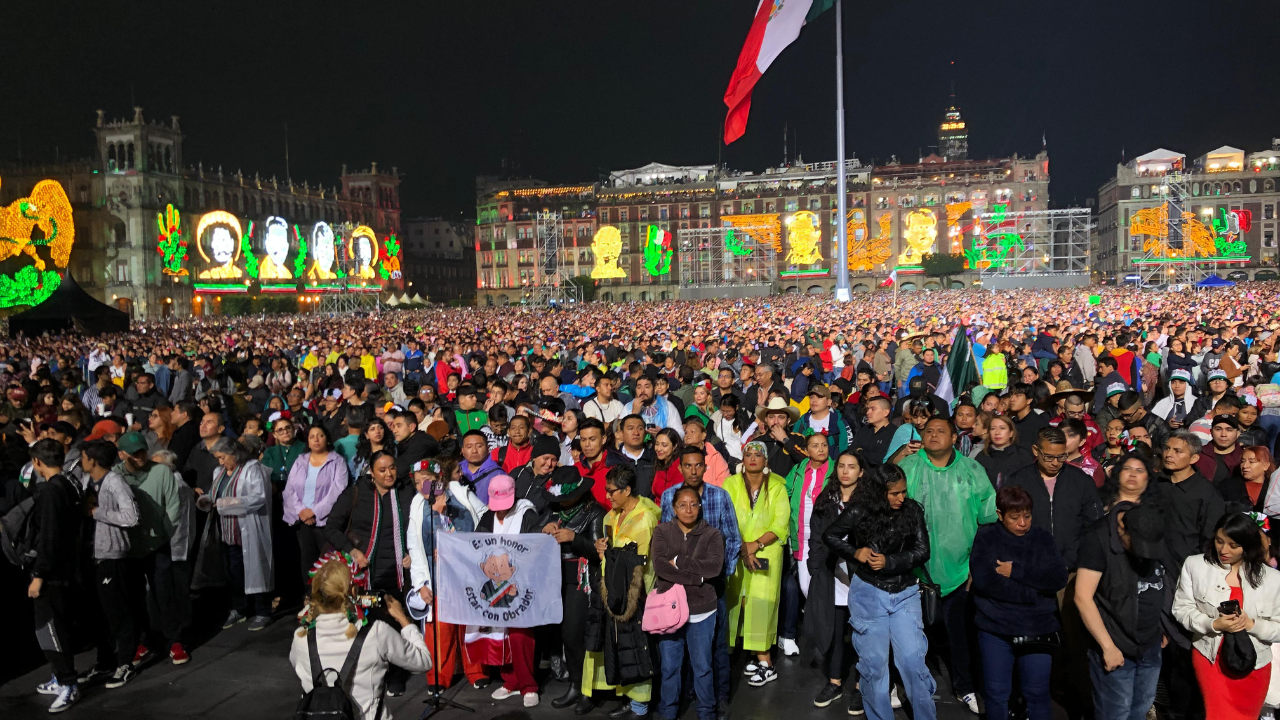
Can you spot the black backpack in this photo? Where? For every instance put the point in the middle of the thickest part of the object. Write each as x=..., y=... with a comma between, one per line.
x=333, y=702
x=16, y=538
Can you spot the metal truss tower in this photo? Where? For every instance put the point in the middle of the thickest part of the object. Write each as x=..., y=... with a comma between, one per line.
x=1156, y=267
x=725, y=257
x=551, y=282
x=1033, y=244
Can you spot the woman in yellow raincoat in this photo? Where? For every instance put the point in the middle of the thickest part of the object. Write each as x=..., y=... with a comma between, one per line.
x=631, y=520
x=764, y=518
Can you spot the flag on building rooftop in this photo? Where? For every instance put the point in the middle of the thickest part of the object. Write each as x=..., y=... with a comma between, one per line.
x=961, y=369
x=777, y=24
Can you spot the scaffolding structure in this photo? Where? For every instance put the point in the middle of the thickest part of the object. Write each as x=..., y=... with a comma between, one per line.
x=1040, y=245
x=349, y=300
x=1160, y=267
x=551, y=283
x=727, y=256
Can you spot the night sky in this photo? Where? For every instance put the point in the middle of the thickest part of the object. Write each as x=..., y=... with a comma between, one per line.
x=566, y=90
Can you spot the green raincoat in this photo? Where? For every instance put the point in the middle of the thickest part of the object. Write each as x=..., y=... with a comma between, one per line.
x=956, y=499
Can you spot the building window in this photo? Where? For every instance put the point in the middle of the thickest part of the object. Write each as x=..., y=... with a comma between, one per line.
x=1268, y=211
x=724, y=210
x=793, y=205
x=684, y=211
x=1135, y=192
x=122, y=271
x=748, y=207
x=815, y=203
x=662, y=213
x=644, y=213
x=1269, y=239
x=704, y=211
x=770, y=207
x=622, y=215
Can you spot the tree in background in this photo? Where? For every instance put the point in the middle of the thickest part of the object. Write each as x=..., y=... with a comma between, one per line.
x=943, y=266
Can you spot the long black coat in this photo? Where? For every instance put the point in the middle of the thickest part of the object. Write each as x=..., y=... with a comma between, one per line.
x=820, y=608
x=614, y=616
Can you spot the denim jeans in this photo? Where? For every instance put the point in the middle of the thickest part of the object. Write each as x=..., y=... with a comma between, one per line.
x=998, y=661
x=698, y=638
x=1271, y=424
x=882, y=620
x=1127, y=692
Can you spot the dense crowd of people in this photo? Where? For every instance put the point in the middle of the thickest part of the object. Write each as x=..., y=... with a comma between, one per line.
x=1071, y=508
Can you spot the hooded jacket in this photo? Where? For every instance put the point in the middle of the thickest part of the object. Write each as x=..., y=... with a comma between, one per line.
x=1163, y=408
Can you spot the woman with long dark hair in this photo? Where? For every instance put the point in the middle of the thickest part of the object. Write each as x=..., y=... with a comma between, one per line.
x=883, y=537
x=825, y=581
x=1132, y=479
x=1231, y=589
x=730, y=424
x=375, y=438
x=666, y=472
x=1002, y=454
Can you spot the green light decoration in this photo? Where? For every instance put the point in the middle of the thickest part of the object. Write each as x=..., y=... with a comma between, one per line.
x=657, y=251
x=734, y=245
x=246, y=249
x=170, y=244
x=338, y=249
x=28, y=286
x=1005, y=242
x=300, y=262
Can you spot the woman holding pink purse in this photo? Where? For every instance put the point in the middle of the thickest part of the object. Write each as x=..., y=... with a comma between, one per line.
x=687, y=552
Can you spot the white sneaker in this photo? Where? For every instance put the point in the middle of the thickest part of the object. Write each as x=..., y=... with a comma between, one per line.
x=894, y=702
x=970, y=701
x=502, y=693
x=789, y=646
x=49, y=688
x=67, y=696
x=531, y=699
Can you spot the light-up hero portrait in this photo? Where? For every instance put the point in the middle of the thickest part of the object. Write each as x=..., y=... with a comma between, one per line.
x=322, y=252
x=220, y=231
x=276, y=243
x=364, y=250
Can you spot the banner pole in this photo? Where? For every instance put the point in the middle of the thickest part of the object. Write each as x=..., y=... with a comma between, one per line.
x=842, y=240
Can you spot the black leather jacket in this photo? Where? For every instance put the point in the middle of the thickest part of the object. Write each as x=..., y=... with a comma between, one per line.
x=902, y=554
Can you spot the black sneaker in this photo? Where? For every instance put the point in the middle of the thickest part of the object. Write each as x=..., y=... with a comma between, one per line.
x=93, y=675
x=120, y=677
x=722, y=710
x=764, y=675
x=855, y=702
x=482, y=683
x=828, y=695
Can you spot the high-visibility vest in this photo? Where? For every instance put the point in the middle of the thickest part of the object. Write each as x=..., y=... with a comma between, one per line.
x=995, y=375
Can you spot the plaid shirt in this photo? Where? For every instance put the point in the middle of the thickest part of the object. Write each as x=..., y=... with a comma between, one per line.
x=717, y=510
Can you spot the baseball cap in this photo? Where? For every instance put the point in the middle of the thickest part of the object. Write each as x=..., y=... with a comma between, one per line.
x=1145, y=527
x=821, y=391
x=1217, y=374
x=1116, y=388
x=502, y=492
x=131, y=443
x=102, y=428
x=1225, y=420
x=1217, y=343
x=1180, y=374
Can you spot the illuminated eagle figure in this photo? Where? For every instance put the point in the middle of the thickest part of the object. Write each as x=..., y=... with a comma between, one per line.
x=804, y=239
x=607, y=247
x=48, y=209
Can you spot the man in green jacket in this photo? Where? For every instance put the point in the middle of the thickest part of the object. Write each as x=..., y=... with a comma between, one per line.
x=150, y=567
x=907, y=357
x=957, y=498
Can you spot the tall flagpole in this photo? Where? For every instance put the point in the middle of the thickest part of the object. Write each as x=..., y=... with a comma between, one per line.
x=842, y=241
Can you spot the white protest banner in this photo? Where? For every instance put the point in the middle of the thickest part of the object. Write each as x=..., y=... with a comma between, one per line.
x=500, y=581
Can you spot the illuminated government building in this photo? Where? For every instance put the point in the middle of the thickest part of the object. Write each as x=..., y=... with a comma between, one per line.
x=244, y=233
x=896, y=211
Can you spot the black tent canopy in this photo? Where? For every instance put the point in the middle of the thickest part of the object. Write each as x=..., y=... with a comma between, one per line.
x=69, y=308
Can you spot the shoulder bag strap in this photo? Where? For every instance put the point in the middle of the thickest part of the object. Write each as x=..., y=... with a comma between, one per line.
x=348, y=671
x=317, y=668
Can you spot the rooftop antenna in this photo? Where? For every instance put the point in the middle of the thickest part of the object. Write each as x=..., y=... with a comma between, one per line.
x=287, y=175
x=785, y=158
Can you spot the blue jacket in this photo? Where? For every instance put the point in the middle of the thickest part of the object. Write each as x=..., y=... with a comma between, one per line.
x=1025, y=603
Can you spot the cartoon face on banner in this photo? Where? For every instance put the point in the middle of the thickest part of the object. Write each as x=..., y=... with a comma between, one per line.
x=500, y=589
x=322, y=252
x=276, y=243
x=364, y=250
x=220, y=232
